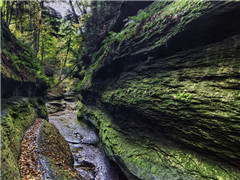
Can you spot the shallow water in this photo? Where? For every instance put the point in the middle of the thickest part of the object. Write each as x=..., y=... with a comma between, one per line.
x=89, y=159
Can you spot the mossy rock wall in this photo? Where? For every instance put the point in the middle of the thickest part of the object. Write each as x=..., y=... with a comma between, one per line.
x=174, y=78
x=17, y=115
x=141, y=157
x=21, y=75
x=191, y=97
x=21, y=71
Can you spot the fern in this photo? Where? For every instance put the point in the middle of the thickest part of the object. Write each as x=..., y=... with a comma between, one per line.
x=141, y=16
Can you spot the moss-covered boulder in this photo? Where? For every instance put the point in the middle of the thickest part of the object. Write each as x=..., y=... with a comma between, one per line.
x=55, y=154
x=169, y=84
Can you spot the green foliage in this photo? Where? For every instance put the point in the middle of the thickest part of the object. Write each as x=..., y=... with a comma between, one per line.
x=123, y=35
x=141, y=16
x=115, y=37
x=43, y=77
x=109, y=40
x=14, y=57
x=148, y=25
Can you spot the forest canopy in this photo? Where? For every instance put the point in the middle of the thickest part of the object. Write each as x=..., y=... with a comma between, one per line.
x=56, y=41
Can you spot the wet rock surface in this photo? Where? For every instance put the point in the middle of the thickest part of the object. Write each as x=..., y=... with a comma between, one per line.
x=55, y=155
x=89, y=160
x=173, y=78
x=55, y=106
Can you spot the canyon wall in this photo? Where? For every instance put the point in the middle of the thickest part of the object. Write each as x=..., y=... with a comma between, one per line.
x=163, y=91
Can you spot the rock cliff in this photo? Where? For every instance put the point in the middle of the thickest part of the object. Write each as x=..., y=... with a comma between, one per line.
x=22, y=89
x=163, y=91
x=21, y=72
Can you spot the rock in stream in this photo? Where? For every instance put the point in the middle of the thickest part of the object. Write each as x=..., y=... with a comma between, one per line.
x=89, y=159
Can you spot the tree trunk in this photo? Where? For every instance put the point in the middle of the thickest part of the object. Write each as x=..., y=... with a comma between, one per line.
x=75, y=15
x=42, y=53
x=20, y=17
x=74, y=12
x=11, y=13
x=69, y=43
x=8, y=12
x=3, y=11
x=37, y=30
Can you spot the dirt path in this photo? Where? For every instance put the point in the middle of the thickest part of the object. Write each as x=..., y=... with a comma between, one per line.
x=89, y=160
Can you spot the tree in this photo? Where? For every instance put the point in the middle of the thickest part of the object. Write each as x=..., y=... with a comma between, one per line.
x=74, y=12
x=37, y=25
x=55, y=42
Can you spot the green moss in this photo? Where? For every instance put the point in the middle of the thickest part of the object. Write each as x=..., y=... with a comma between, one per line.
x=18, y=118
x=150, y=25
x=205, y=96
x=57, y=151
x=19, y=60
x=149, y=159
x=153, y=169
x=194, y=92
x=60, y=143
x=141, y=16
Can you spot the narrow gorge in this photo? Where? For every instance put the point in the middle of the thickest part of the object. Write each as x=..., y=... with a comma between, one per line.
x=121, y=90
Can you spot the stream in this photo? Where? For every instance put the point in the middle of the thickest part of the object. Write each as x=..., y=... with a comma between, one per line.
x=89, y=159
